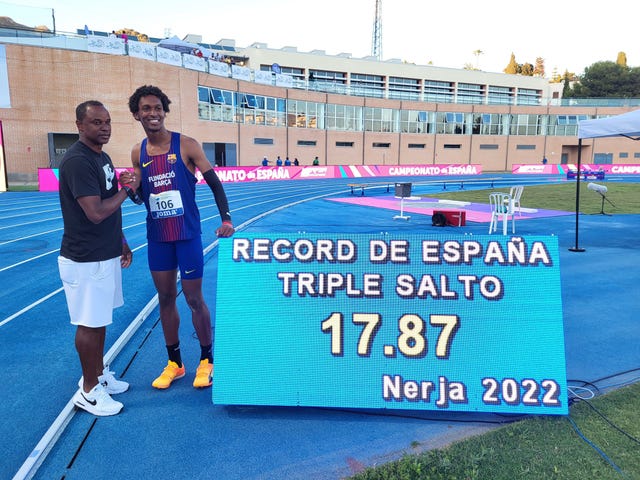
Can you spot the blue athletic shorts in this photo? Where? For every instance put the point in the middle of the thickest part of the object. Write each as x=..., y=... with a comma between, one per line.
x=186, y=254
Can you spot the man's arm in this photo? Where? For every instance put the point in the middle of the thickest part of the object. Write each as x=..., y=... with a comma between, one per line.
x=97, y=209
x=192, y=151
x=127, y=255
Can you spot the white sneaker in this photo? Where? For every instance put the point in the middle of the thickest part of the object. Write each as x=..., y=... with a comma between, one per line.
x=112, y=385
x=97, y=402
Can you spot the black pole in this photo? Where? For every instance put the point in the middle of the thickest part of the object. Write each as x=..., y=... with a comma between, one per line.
x=53, y=16
x=576, y=248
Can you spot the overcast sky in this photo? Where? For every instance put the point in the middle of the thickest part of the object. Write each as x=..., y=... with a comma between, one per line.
x=567, y=35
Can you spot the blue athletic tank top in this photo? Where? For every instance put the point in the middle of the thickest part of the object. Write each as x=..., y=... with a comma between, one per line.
x=169, y=192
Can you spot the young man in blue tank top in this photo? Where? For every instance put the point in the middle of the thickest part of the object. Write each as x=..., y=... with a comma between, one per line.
x=166, y=163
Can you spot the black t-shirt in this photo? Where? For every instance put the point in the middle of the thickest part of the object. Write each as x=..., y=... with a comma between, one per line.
x=83, y=173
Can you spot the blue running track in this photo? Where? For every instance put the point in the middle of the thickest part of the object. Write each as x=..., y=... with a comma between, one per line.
x=179, y=433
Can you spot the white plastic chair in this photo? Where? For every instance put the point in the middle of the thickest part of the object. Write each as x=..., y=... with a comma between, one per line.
x=501, y=208
x=516, y=193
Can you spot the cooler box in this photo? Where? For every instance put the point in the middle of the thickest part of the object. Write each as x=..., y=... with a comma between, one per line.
x=455, y=218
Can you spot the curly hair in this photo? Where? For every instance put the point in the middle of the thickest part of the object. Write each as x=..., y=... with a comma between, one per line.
x=145, y=90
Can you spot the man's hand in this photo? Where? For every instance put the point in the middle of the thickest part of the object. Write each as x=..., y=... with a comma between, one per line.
x=127, y=255
x=131, y=182
x=130, y=179
x=225, y=230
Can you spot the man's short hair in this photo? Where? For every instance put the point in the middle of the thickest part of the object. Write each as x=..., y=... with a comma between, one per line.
x=81, y=110
x=145, y=90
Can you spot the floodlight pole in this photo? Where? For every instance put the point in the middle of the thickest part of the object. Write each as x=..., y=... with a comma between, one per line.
x=576, y=248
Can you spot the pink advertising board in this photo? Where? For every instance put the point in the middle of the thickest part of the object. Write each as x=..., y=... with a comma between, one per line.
x=554, y=169
x=48, y=177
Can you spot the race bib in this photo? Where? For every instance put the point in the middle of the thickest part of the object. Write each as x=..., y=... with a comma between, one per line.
x=166, y=204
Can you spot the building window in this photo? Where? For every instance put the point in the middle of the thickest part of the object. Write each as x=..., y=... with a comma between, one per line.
x=381, y=145
x=216, y=105
x=488, y=146
x=470, y=93
x=451, y=123
x=404, y=88
x=343, y=117
x=366, y=85
x=307, y=143
x=564, y=125
x=500, y=95
x=414, y=121
x=262, y=141
x=328, y=77
x=439, y=92
x=303, y=114
x=525, y=147
x=452, y=145
x=416, y=145
x=527, y=96
x=488, y=124
x=378, y=119
x=526, y=124
x=297, y=73
x=344, y=144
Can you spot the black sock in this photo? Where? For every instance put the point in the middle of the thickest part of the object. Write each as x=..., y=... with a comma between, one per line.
x=206, y=354
x=174, y=353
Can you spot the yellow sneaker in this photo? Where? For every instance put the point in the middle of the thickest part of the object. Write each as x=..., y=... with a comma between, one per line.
x=204, y=373
x=170, y=373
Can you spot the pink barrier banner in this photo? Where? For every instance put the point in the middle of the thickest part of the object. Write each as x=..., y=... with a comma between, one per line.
x=253, y=174
x=570, y=167
x=48, y=180
x=48, y=177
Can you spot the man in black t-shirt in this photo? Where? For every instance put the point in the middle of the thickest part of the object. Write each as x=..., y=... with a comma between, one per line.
x=93, y=252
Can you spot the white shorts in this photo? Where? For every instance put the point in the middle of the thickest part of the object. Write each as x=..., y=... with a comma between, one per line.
x=93, y=290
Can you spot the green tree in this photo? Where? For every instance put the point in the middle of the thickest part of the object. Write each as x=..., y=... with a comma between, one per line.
x=607, y=80
x=566, y=88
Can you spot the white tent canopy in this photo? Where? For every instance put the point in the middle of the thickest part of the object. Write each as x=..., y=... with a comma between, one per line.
x=174, y=43
x=624, y=125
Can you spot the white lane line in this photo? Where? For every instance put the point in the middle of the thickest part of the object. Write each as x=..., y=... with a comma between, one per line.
x=29, y=307
x=30, y=259
x=46, y=297
x=46, y=443
x=51, y=436
x=30, y=236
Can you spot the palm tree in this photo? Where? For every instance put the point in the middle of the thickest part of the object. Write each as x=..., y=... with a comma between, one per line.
x=477, y=53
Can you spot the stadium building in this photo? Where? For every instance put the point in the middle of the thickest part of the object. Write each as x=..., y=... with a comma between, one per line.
x=244, y=104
